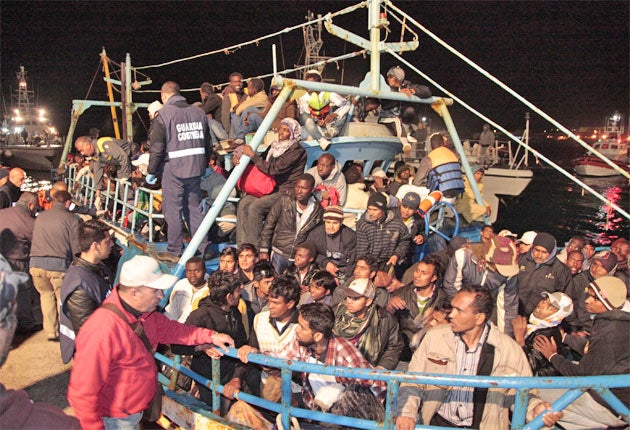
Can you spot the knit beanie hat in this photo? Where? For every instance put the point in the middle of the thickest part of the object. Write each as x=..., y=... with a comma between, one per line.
x=378, y=200
x=334, y=212
x=397, y=72
x=545, y=240
x=610, y=291
x=608, y=261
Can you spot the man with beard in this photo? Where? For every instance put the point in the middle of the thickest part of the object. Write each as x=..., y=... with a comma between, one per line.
x=232, y=95
x=335, y=244
x=372, y=329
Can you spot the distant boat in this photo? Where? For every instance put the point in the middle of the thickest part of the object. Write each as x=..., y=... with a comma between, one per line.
x=611, y=145
x=28, y=140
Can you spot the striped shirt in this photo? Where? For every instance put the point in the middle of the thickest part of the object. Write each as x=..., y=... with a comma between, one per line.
x=458, y=405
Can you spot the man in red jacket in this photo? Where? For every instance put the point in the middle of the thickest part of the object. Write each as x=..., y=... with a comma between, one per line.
x=114, y=374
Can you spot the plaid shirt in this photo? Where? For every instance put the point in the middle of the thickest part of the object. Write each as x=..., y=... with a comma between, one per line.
x=340, y=352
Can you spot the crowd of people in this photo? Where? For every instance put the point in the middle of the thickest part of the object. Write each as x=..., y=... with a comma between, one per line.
x=309, y=279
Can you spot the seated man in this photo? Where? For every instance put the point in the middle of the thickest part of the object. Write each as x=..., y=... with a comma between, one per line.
x=289, y=222
x=469, y=345
x=303, y=266
x=188, y=292
x=440, y=170
x=254, y=103
x=324, y=113
x=552, y=309
x=330, y=183
x=607, y=353
x=253, y=117
x=211, y=105
x=467, y=205
x=580, y=321
x=247, y=255
x=285, y=162
x=335, y=244
x=381, y=234
x=368, y=326
x=256, y=293
x=407, y=212
x=323, y=284
x=495, y=270
x=217, y=312
x=413, y=304
x=273, y=333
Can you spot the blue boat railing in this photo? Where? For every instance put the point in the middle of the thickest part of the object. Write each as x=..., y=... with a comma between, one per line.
x=522, y=386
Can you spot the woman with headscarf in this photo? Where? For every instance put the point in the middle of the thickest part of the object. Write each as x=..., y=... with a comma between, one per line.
x=285, y=162
x=552, y=309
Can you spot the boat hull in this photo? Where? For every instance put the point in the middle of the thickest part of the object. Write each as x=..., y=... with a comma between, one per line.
x=593, y=166
x=30, y=157
x=505, y=181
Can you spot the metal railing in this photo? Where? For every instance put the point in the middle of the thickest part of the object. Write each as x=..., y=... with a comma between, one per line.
x=575, y=386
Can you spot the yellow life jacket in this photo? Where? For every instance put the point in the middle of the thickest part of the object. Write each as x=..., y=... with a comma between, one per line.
x=319, y=104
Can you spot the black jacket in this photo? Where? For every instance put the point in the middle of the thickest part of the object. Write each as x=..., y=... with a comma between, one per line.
x=279, y=230
x=608, y=352
x=533, y=279
x=210, y=315
x=285, y=169
x=16, y=228
x=9, y=194
x=347, y=254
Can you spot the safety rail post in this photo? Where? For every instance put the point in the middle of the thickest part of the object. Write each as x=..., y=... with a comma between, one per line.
x=391, y=402
x=177, y=361
x=216, y=396
x=520, y=408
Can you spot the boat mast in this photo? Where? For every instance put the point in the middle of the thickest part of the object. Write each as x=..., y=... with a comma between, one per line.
x=110, y=92
x=313, y=44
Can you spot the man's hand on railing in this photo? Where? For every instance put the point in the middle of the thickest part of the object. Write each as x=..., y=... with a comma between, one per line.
x=232, y=388
x=222, y=340
x=550, y=418
x=213, y=353
x=244, y=350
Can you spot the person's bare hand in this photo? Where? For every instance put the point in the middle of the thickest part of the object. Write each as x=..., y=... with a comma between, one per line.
x=545, y=346
x=244, y=351
x=395, y=304
x=405, y=423
x=222, y=340
x=247, y=150
x=232, y=388
x=550, y=418
x=213, y=353
x=332, y=268
x=519, y=323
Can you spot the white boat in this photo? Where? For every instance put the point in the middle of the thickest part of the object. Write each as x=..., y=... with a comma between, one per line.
x=611, y=145
x=28, y=138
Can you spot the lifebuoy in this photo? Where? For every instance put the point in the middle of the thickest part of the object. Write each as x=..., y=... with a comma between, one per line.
x=431, y=199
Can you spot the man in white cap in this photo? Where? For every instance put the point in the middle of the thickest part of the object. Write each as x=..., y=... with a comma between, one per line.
x=114, y=376
x=607, y=352
x=372, y=329
x=525, y=242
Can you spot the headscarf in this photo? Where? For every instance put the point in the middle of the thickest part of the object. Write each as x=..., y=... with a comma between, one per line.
x=364, y=331
x=552, y=320
x=280, y=147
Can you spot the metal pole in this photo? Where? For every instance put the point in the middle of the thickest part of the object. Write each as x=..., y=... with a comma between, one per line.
x=110, y=93
x=77, y=110
x=218, y=203
x=375, y=54
x=128, y=100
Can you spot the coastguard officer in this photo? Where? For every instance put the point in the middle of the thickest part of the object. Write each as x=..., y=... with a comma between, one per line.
x=180, y=150
x=105, y=150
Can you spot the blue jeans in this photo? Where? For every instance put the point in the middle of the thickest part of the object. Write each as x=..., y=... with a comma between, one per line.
x=217, y=132
x=317, y=132
x=238, y=128
x=130, y=422
x=279, y=262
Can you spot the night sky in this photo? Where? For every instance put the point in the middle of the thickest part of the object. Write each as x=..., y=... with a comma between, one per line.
x=569, y=58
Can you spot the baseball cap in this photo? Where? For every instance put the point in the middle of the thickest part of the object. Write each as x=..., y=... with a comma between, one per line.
x=503, y=253
x=560, y=301
x=142, y=270
x=397, y=72
x=507, y=233
x=142, y=159
x=379, y=173
x=361, y=287
x=610, y=291
x=527, y=238
x=411, y=200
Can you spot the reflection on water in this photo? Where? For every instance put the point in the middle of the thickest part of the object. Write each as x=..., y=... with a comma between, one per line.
x=557, y=205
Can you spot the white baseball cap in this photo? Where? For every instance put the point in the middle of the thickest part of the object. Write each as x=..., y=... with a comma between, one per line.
x=145, y=271
x=527, y=238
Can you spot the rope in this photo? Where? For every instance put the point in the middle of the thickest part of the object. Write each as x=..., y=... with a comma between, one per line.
x=228, y=50
x=509, y=90
x=98, y=69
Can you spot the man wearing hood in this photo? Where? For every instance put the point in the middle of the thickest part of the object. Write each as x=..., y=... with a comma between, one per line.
x=581, y=321
x=495, y=270
x=401, y=177
x=540, y=271
x=606, y=353
x=330, y=183
x=381, y=234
